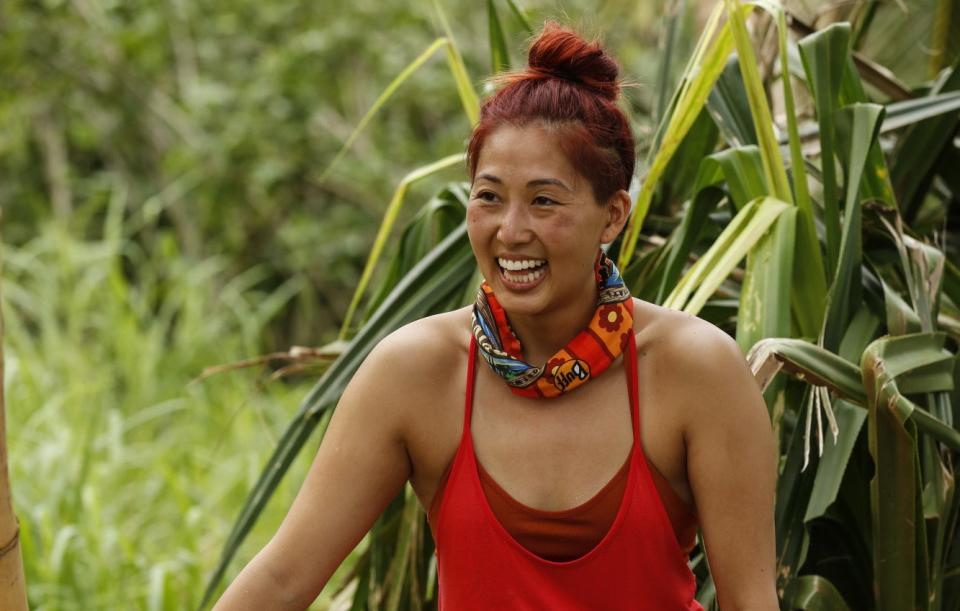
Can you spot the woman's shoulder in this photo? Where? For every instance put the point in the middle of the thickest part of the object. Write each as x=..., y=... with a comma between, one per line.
x=688, y=350
x=678, y=333
x=426, y=348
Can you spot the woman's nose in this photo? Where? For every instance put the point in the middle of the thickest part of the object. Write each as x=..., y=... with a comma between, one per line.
x=514, y=225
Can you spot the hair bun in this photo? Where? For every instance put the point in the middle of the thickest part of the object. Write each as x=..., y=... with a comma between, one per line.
x=561, y=53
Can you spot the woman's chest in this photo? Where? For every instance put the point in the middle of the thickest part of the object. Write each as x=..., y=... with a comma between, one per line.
x=550, y=454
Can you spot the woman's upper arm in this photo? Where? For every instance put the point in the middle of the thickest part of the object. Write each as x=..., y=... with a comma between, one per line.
x=731, y=467
x=361, y=465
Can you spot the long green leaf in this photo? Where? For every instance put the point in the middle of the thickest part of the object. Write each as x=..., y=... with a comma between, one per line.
x=810, y=285
x=898, y=531
x=468, y=97
x=701, y=73
x=729, y=107
x=856, y=128
x=678, y=180
x=824, y=56
x=742, y=169
x=917, y=354
x=673, y=15
x=850, y=420
x=773, y=168
x=438, y=218
x=518, y=15
x=765, y=296
x=383, y=234
x=499, y=51
x=705, y=199
x=739, y=237
x=919, y=148
x=809, y=363
x=898, y=115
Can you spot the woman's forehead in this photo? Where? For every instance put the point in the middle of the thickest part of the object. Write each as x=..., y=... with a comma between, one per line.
x=531, y=154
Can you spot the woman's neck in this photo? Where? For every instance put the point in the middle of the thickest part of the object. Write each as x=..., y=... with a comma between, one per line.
x=543, y=335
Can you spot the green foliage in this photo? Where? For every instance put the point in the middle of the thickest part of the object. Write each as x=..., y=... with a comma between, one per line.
x=146, y=148
x=120, y=463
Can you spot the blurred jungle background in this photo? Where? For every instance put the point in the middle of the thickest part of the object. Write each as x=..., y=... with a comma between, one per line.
x=211, y=210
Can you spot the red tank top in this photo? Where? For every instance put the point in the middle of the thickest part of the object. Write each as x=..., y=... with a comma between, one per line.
x=637, y=565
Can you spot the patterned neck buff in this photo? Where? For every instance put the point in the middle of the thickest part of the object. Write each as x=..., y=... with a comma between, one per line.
x=584, y=358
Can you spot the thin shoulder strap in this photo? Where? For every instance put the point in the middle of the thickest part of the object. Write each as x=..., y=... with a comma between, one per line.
x=471, y=372
x=631, y=364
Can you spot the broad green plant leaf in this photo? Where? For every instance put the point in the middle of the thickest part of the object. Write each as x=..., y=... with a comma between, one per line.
x=765, y=296
x=824, y=56
x=832, y=466
x=806, y=362
x=820, y=367
x=899, y=535
x=917, y=112
x=733, y=244
x=899, y=115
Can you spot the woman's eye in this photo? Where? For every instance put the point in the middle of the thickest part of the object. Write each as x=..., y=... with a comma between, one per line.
x=544, y=201
x=486, y=196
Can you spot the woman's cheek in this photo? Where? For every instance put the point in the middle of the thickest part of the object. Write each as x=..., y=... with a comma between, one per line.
x=478, y=222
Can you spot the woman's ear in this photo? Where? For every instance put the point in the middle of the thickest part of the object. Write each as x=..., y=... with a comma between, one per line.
x=618, y=207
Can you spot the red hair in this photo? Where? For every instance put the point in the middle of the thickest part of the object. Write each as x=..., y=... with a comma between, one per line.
x=570, y=85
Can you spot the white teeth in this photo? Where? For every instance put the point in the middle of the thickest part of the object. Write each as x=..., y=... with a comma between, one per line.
x=513, y=265
x=524, y=278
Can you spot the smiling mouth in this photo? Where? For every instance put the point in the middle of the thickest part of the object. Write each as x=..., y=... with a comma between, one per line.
x=526, y=271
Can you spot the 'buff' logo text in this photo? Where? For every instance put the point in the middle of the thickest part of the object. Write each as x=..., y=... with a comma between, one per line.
x=572, y=372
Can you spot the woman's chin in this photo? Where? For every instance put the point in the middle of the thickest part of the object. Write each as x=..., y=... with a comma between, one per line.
x=522, y=298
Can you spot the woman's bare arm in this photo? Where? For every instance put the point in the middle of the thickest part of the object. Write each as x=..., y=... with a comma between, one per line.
x=361, y=465
x=731, y=465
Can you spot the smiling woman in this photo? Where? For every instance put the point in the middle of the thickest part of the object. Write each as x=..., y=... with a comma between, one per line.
x=548, y=484
x=531, y=210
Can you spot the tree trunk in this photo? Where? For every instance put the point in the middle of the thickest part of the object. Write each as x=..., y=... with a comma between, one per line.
x=13, y=588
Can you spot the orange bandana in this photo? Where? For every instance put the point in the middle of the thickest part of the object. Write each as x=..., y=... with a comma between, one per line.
x=584, y=358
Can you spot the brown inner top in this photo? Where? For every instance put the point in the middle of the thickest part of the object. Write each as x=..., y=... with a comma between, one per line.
x=571, y=533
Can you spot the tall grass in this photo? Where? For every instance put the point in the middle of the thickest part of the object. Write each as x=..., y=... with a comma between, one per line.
x=125, y=473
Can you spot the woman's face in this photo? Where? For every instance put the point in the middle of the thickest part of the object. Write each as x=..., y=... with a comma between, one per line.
x=533, y=222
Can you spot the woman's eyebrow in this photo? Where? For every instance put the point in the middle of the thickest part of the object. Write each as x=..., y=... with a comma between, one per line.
x=536, y=182
x=548, y=181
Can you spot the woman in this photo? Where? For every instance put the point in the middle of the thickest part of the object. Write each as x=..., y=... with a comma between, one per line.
x=559, y=486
